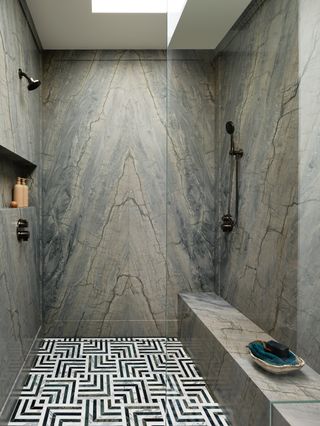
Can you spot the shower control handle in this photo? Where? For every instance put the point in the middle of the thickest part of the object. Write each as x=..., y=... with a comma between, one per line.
x=22, y=223
x=238, y=153
x=22, y=232
x=227, y=223
x=23, y=235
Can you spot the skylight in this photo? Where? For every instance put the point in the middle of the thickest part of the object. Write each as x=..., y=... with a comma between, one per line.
x=129, y=6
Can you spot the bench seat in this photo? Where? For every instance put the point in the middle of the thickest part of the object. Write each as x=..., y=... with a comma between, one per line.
x=216, y=334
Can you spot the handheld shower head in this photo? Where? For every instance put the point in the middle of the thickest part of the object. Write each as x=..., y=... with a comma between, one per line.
x=32, y=84
x=238, y=153
x=230, y=128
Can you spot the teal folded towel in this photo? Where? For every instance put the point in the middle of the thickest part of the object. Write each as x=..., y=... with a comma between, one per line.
x=258, y=350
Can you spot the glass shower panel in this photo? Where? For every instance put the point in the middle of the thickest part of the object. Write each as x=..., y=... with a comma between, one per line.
x=105, y=156
x=191, y=207
x=257, y=81
x=295, y=413
x=308, y=295
x=191, y=222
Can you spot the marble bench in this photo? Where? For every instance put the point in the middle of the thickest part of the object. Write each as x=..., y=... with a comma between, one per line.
x=215, y=335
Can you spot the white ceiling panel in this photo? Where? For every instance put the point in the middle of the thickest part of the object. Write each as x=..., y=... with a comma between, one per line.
x=204, y=23
x=193, y=24
x=70, y=24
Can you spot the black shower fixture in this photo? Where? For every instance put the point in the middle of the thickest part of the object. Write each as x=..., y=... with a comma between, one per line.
x=228, y=222
x=230, y=130
x=32, y=84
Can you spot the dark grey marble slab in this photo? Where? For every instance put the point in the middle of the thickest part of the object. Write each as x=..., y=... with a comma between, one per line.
x=20, y=316
x=191, y=175
x=104, y=194
x=19, y=108
x=105, y=190
x=258, y=85
x=20, y=133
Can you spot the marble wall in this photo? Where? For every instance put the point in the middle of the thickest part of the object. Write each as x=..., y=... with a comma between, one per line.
x=309, y=169
x=20, y=317
x=20, y=131
x=106, y=174
x=191, y=171
x=104, y=193
x=257, y=89
x=19, y=108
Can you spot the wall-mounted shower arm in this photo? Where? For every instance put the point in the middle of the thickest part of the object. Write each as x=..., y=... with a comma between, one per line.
x=23, y=74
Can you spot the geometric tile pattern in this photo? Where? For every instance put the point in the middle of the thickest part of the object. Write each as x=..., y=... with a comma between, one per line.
x=116, y=382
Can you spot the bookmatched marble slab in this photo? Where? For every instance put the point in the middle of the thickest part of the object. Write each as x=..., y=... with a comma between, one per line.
x=104, y=193
x=258, y=86
x=108, y=208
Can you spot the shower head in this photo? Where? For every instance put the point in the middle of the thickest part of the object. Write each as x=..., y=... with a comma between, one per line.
x=238, y=153
x=230, y=128
x=32, y=84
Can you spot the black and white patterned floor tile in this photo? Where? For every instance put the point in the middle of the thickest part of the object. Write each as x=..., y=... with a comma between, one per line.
x=116, y=382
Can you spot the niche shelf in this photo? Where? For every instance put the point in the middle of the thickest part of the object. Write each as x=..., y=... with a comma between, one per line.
x=5, y=153
x=12, y=165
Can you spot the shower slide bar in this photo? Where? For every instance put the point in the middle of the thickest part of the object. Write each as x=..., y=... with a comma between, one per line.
x=228, y=223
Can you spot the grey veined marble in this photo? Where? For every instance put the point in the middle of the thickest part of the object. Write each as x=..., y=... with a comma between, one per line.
x=19, y=108
x=258, y=83
x=106, y=178
x=104, y=200
x=191, y=176
x=19, y=294
x=20, y=131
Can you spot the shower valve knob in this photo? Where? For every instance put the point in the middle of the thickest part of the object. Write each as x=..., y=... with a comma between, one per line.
x=227, y=223
x=22, y=223
x=23, y=235
x=22, y=232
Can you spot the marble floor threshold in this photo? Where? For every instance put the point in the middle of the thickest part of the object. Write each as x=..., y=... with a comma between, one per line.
x=115, y=381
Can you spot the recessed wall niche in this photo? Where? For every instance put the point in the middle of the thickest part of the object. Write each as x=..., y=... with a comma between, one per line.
x=12, y=166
